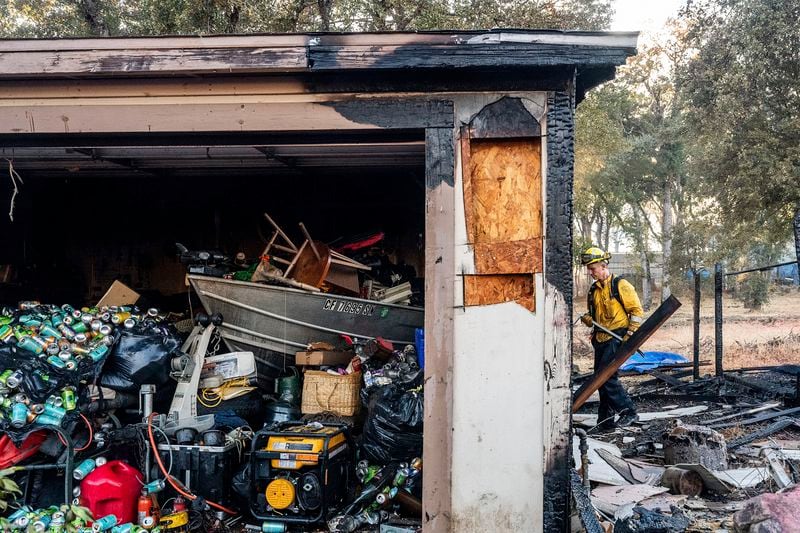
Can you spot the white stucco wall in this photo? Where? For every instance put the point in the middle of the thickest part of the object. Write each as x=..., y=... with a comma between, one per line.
x=497, y=461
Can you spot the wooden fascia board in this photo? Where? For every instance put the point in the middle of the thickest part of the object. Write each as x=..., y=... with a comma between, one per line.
x=307, y=53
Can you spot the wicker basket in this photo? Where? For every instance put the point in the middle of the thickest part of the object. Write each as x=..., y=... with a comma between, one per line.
x=325, y=392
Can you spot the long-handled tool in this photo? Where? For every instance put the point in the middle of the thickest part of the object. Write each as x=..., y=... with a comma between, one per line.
x=659, y=316
x=606, y=330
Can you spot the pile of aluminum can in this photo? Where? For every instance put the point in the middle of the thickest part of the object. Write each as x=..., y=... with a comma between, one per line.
x=55, y=519
x=63, y=340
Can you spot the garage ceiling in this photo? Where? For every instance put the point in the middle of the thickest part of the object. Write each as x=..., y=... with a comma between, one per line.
x=200, y=161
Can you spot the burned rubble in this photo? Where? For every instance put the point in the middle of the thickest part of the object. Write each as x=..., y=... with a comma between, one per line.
x=706, y=455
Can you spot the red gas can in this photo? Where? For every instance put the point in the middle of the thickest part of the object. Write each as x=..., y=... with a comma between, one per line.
x=113, y=488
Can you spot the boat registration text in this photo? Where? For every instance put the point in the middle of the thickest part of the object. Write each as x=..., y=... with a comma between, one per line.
x=346, y=306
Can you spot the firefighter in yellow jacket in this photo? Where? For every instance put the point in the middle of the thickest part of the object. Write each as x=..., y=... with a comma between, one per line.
x=613, y=304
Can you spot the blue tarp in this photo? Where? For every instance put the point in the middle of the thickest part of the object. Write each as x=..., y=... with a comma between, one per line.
x=652, y=360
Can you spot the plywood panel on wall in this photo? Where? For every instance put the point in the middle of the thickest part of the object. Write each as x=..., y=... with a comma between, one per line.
x=493, y=289
x=503, y=190
x=503, y=211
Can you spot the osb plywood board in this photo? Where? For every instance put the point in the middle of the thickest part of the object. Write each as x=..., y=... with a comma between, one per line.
x=503, y=204
x=503, y=190
x=517, y=257
x=495, y=289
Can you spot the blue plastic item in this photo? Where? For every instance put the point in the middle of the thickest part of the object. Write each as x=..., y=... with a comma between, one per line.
x=419, y=344
x=652, y=360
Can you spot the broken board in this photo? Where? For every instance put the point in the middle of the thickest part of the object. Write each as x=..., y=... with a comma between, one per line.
x=590, y=420
x=609, y=498
x=599, y=470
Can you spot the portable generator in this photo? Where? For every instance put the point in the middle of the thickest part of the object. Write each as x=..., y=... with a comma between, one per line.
x=300, y=472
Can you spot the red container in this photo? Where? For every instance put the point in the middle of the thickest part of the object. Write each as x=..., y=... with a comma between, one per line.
x=113, y=488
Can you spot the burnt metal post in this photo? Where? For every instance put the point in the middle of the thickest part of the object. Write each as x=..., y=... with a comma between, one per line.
x=696, y=343
x=718, y=275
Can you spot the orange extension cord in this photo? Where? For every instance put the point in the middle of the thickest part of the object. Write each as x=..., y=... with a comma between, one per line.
x=88, y=442
x=185, y=494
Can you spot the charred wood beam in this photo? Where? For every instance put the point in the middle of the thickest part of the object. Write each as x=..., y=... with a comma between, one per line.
x=655, y=321
x=666, y=378
x=95, y=140
x=778, y=425
x=688, y=397
x=322, y=58
x=584, y=505
x=657, y=380
x=271, y=155
x=768, y=388
x=558, y=276
x=121, y=161
x=756, y=419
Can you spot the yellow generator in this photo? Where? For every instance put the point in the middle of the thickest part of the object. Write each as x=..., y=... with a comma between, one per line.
x=300, y=473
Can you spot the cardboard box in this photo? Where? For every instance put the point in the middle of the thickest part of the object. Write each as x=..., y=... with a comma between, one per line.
x=323, y=358
x=118, y=294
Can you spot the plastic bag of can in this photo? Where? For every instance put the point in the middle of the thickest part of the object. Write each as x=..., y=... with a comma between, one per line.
x=140, y=358
x=393, y=429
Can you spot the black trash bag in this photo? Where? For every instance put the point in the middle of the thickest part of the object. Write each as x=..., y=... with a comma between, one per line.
x=139, y=358
x=393, y=430
x=40, y=380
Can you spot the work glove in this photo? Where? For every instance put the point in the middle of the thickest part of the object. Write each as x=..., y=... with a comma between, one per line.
x=587, y=320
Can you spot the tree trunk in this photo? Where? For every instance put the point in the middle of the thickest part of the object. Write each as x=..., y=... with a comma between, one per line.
x=601, y=223
x=233, y=19
x=666, y=239
x=94, y=19
x=647, y=286
x=585, y=228
x=324, y=7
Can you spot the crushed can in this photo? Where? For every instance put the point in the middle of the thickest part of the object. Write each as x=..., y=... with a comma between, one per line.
x=105, y=523
x=84, y=469
x=19, y=415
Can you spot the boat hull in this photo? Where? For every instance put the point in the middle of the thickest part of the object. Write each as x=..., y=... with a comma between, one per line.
x=275, y=322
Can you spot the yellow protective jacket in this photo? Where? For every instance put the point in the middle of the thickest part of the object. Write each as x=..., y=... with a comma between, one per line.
x=612, y=313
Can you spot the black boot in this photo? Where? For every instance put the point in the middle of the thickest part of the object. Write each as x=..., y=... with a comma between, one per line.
x=627, y=417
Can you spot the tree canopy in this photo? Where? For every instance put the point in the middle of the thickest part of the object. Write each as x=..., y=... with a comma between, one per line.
x=740, y=86
x=75, y=18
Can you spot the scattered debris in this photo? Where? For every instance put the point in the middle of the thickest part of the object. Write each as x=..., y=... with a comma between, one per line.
x=695, y=444
x=680, y=481
x=643, y=520
x=599, y=470
x=608, y=499
x=711, y=443
x=583, y=504
x=588, y=420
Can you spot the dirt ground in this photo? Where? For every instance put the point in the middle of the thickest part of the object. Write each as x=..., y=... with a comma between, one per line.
x=770, y=336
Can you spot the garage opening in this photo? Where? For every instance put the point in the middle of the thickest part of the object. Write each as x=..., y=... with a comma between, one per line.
x=184, y=221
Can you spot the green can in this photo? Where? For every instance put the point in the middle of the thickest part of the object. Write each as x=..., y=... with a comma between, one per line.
x=57, y=319
x=98, y=352
x=4, y=375
x=56, y=362
x=28, y=344
x=19, y=415
x=84, y=469
x=49, y=331
x=68, y=399
x=79, y=327
x=6, y=332
x=55, y=412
